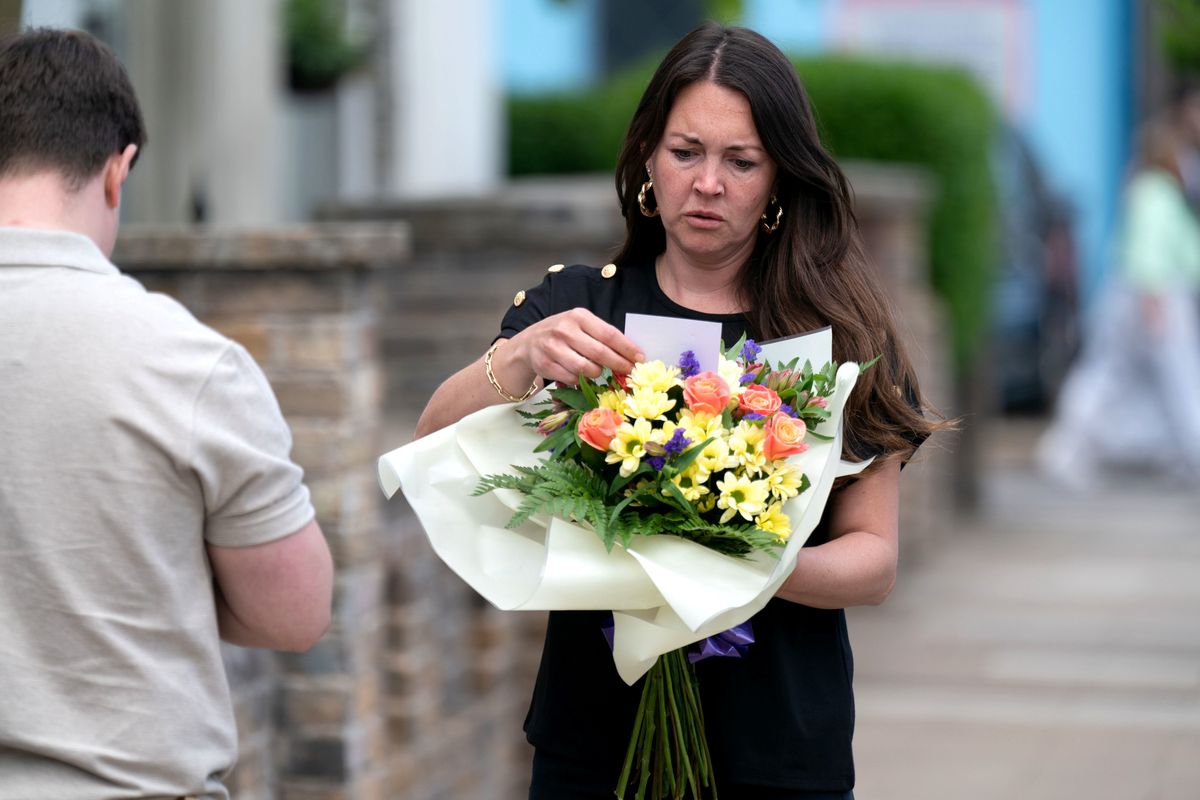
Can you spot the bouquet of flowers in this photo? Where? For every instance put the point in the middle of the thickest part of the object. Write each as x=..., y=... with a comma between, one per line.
x=676, y=497
x=671, y=450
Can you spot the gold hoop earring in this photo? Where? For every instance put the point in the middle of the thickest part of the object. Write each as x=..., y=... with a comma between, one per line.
x=646, y=187
x=770, y=227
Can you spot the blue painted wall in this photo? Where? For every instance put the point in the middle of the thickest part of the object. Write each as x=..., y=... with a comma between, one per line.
x=547, y=46
x=796, y=26
x=1081, y=113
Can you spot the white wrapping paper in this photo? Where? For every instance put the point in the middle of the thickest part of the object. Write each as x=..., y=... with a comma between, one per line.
x=665, y=592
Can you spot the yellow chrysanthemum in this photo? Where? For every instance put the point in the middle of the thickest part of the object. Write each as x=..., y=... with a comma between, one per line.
x=746, y=445
x=740, y=495
x=691, y=483
x=784, y=480
x=654, y=376
x=700, y=425
x=714, y=457
x=628, y=445
x=773, y=520
x=612, y=399
x=647, y=404
x=731, y=371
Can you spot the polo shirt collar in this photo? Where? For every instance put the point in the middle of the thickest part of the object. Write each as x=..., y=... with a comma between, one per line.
x=30, y=247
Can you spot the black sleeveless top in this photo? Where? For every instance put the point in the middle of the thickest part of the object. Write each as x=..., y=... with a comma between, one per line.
x=780, y=717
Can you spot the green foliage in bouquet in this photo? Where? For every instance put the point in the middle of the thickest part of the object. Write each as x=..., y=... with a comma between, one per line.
x=573, y=492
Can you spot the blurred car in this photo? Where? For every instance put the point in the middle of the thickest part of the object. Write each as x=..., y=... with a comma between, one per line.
x=1035, y=299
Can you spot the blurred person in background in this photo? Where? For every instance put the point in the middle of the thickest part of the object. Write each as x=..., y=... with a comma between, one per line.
x=735, y=214
x=148, y=504
x=1133, y=398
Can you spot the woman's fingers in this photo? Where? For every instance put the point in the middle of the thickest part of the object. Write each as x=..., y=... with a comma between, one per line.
x=578, y=342
x=608, y=346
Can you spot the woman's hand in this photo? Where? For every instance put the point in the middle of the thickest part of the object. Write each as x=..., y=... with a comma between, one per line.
x=561, y=347
x=557, y=348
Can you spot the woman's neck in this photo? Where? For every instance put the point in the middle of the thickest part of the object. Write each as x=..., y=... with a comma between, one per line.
x=712, y=289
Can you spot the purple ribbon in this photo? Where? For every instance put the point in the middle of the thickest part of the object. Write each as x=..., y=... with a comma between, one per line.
x=731, y=643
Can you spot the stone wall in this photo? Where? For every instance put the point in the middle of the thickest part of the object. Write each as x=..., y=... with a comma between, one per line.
x=892, y=203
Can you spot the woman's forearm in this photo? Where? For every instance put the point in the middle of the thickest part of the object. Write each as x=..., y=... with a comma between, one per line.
x=855, y=569
x=469, y=390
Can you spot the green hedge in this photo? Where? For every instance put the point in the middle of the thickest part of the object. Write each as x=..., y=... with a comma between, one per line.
x=934, y=117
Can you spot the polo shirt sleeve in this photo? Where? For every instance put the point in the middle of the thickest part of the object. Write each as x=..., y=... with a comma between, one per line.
x=240, y=450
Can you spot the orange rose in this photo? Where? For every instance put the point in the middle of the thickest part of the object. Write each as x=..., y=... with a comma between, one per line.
x=598, y=426
x=758, y=399
x=706, y=391
x=784, y=436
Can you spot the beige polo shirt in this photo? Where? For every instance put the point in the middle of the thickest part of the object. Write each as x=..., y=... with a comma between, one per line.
x=129, y=435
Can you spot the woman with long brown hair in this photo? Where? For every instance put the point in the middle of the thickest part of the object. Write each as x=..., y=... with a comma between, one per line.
x=735, y=214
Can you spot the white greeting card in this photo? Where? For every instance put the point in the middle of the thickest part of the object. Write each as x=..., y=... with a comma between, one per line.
x=666, y=338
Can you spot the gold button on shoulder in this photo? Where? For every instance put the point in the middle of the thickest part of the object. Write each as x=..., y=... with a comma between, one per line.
x=557, y=268
x=520, y=298
x=608, y=270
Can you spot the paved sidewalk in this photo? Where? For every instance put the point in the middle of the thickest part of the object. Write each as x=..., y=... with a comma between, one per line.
x=1050, y=651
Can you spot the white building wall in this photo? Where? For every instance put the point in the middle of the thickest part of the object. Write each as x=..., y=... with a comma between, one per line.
x=447, y=109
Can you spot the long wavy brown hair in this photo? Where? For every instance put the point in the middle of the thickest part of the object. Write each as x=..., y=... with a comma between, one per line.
x=812, y=271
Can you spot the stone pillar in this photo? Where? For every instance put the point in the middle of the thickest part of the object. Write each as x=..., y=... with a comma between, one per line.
x=209, y=78
x=446, y=112
x=892, y=205
x=302, y=301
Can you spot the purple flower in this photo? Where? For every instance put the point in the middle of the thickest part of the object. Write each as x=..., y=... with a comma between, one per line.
x=658, y=462
x=748, y=377
x=752, y=415
x=750, y=351
x=677, y=443
x=785, y=408
x=688, y=364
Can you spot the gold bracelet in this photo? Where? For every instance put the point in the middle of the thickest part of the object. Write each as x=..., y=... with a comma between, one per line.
x=487, y=367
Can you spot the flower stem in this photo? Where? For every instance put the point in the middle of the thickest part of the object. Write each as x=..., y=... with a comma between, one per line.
x=667, y=751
